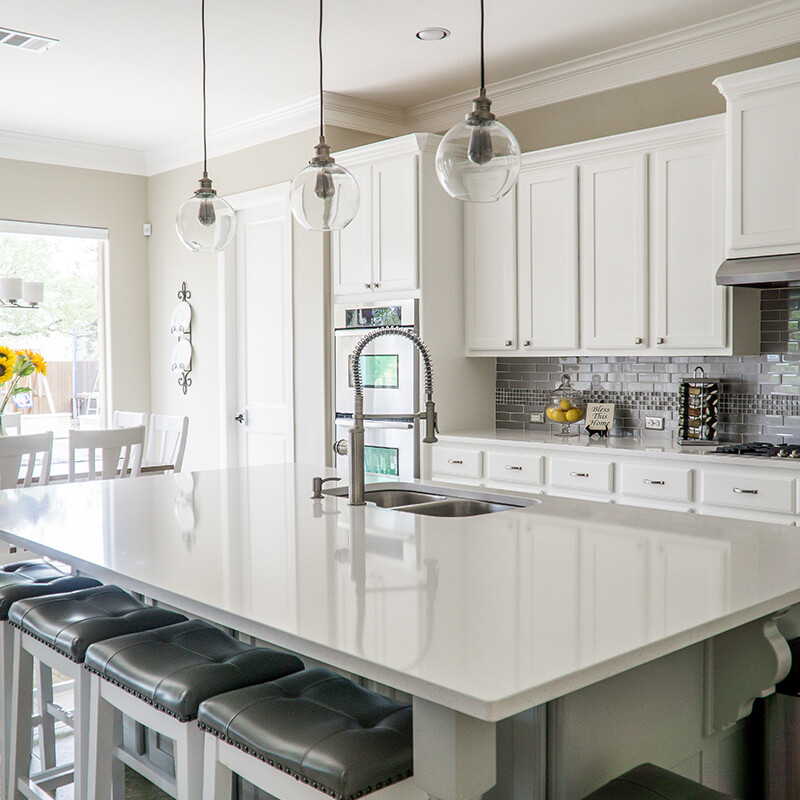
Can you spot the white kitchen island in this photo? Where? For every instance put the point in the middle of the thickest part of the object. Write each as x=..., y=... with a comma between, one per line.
x=479, y=619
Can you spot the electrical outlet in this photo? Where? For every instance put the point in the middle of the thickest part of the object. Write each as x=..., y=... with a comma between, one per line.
x=537, y=416
x=654, y=423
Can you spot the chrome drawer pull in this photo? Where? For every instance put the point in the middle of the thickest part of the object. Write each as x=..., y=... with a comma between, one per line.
x=744, y=491
x=653, y=483
x=579, y=474
x=454, y=461
x=511, y=466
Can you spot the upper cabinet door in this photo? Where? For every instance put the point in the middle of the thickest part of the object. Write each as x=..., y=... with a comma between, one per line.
x=688, y=246
x=547, y=230
x=394, y=210
x=490, y=260
x=614, y=252
x=352, y=246
x=764, y=169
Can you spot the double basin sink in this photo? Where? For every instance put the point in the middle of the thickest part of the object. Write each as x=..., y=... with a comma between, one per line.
x=436, y=501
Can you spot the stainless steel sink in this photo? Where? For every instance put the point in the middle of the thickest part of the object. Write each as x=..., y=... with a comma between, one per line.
x=437, y=501
x=392, y=498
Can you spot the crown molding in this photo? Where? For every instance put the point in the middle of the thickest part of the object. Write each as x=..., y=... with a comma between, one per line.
x=340, y=110
x=762, y=28
x=65, y=153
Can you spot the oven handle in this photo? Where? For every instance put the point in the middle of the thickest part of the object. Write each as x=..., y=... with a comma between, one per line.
x=396, y=425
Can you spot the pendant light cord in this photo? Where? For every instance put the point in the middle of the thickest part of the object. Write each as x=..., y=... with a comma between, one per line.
x=483, y=76
x=321, y=121
x=203, y=31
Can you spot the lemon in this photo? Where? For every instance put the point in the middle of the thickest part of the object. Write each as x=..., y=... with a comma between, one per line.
x=550, y=411
x=558, y=415
x=573, y=415
x=565, y=404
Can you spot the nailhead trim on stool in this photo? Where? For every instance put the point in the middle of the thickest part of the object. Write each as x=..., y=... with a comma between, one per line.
x=320, y=728
x=176, y=667
x=70, y=622
x=649, y=782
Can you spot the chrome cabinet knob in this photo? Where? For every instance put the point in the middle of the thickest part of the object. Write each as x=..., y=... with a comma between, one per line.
x=376, y=285
x=509, y=342
x=660, y=340
x=239, y=418
x=527, y=343
x=367, y=285
x=638, y=340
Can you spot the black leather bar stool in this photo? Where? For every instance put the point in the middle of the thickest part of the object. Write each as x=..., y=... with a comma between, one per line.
x=782, y=734
x=17, y=581
x=57, y=629
x=315, y=726
x=159, y=678
x=649, y=782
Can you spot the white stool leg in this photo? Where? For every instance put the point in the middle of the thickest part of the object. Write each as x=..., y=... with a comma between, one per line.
x=189, y=762
x=47, y=735
x=81, y=717
x=7, y=667
x=217, y=778
x=19, y=762
x=105, y=772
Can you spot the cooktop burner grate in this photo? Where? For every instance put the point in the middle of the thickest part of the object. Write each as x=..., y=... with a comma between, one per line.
x=761, y=449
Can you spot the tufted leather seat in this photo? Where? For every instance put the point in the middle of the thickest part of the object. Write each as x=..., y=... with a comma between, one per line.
x=35, y=565
x=176, y=667
x=36, y=579
x=70, y=622
x=320, y=727
x=649, y=782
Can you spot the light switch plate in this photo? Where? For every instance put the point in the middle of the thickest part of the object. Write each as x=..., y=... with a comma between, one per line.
x=537, y=416
x=654, y=423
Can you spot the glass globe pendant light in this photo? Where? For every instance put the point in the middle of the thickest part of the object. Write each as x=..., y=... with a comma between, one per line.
x=206, y=223
x=324, y=196
x=478, y=160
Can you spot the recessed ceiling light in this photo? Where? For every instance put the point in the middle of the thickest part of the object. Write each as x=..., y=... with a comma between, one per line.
x=26, y=41
x=433, y=34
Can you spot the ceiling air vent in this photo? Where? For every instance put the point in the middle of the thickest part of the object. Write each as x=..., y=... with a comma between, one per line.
x=26, y=41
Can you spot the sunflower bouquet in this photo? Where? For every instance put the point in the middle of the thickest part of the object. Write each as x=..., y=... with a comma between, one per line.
x=14, y=366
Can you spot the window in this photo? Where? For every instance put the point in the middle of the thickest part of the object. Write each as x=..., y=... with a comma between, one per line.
x=66, y=329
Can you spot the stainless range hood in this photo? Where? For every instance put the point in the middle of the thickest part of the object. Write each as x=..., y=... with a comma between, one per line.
x=761, y=272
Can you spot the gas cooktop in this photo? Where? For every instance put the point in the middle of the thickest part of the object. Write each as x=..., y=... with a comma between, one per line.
x=760, y=449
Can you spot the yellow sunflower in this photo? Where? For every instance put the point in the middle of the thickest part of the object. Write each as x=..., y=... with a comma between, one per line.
x=7, y=360
x=36, y=359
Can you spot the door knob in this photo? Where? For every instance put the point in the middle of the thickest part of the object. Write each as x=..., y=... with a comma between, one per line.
x=239, y=418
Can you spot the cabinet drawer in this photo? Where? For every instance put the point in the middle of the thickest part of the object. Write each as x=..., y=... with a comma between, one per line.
x=583, y=476
x=663, y=483
x=768, y=493
x=514, y=467
x=457, y=461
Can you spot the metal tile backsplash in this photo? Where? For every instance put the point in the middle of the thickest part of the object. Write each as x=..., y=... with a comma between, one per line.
x=760, y=398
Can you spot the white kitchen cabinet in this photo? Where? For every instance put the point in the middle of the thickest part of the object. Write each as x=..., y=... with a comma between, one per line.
x=655, y=482
x=514, y=466
x=547, y=258
x=613, y=252
x=378, y=251
x=582, y=475
x=490, y=263
x=456, y=462
x=689, y=309
x=749, y=490
x=763, y=159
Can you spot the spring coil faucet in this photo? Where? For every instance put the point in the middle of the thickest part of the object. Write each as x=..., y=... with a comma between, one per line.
x=356, y=444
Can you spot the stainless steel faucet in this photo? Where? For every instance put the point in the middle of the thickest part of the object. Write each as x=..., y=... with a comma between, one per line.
x=356, y=446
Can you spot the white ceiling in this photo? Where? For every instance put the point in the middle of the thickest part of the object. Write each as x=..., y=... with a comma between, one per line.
x=127, y=72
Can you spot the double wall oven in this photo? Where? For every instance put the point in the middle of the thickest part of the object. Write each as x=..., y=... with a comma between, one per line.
x=390, y=378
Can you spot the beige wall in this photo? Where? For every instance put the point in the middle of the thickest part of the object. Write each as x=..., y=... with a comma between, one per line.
x=171, y=263
x=674, y=98
x=95, y=199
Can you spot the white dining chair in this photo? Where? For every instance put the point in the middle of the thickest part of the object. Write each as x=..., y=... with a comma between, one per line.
x=12, y=451
x=166, y=440
x=121, y=452
x=12, y=422
x=130, y=419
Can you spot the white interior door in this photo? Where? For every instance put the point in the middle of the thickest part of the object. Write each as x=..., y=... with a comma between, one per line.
x=264, y=342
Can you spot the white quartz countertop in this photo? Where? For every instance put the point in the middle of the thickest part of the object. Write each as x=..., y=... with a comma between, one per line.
x=648, y=444
x=489, y=615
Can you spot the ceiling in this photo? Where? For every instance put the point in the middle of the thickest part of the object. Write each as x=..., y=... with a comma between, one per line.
x=126, y=73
